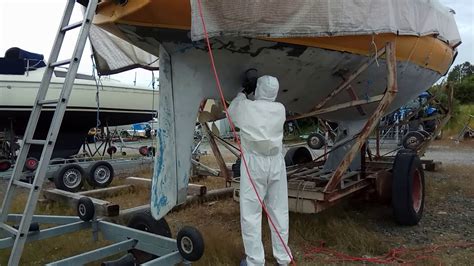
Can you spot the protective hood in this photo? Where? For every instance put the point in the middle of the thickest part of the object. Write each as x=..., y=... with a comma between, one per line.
x=267, y=88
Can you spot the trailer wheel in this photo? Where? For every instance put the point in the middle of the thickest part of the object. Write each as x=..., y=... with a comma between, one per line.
x=143, y=150
x=425, y=133
x=144, y=221
x=298, y=155
x=85, y=209
x=31, y=164
x=315, y=141
x=190, y=243
x=69, y=177
x=100, y=174
x=111, y=150
x=5, y=165
x=413, y=140
x=408, y=190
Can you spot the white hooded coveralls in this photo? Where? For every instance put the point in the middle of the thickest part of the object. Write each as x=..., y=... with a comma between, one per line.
x=261, y=132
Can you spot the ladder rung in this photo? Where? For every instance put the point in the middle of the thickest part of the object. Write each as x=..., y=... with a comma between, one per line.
x=60, y=63
x=53, y=101
x=36, y=141
x=8, y=228
x=22, y=184
x=72, y=26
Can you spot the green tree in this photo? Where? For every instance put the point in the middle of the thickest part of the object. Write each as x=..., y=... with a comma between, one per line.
x=462, y=79
x=464, y=90
x=460, y=72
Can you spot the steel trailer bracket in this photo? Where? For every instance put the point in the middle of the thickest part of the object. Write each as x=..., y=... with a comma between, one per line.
x=124, y=238
x=373, y=120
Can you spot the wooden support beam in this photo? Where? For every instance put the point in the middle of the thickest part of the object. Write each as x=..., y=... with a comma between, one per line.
x=107, y=192
x=217, y=154
x=354, y=97
x=193, y=189
x=234, y=150
x=373, y=120
x=209, y=196
x=203, y=169
x=340, y=106
x=343, y=86
x=102, y=207
x=348, y=81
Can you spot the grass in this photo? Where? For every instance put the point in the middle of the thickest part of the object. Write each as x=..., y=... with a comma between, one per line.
x=347, y=228
x=452, y=179
x=456, y=123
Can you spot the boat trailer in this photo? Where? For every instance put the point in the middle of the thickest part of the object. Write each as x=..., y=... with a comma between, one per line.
x=312, y=189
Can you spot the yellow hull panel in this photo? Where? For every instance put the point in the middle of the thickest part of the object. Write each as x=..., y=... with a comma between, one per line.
x=427, y=51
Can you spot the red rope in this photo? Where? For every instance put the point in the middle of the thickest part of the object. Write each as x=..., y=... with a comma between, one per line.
x=234, y=132
x=397, y=255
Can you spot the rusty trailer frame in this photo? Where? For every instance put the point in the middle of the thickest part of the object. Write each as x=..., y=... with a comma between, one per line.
x=310, y=188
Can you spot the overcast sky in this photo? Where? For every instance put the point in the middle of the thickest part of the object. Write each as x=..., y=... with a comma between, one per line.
x=32, y=25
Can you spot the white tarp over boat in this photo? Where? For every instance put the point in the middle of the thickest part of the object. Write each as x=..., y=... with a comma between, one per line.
x=114, y=55
x=321, y=18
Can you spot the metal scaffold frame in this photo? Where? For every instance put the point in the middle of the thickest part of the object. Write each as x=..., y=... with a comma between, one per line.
x=17, y=229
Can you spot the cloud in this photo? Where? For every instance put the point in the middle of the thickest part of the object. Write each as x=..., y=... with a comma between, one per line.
x=465, y=20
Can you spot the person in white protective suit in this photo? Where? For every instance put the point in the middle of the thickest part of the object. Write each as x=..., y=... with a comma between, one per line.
x=261, y=131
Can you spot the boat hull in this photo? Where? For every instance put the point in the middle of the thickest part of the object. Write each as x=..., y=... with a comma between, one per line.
x=308, y=71
x=118, y=105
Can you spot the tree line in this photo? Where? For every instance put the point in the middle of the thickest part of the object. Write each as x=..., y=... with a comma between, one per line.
x=461, y=77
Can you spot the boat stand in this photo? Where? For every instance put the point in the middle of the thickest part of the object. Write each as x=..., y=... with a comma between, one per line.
x=310, y=188
x=124, y=239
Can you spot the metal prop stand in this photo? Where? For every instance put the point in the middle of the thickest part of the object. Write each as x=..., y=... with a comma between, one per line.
x=17, y=229
x=312, y=190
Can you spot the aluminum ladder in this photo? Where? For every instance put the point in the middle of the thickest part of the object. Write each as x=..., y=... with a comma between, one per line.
x=20, y=233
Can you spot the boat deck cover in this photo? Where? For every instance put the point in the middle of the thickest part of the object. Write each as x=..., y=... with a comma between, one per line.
x=321, y=18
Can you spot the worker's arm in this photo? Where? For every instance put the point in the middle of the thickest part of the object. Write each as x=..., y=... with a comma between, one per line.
x=236, y=107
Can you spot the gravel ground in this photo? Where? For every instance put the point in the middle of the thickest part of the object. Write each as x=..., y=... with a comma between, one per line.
x=449, y=152
x=450, y=219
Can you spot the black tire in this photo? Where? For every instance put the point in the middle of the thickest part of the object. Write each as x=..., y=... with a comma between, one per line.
x=144, y=221
x=143, y=150
x=190, y=243
x=5, y=165
x=111, y=150
x=236, y=168
x=413, y=140
x=85, y=209
x=316, y=141
x=408, y=188
x=69, y=178
x=100, y=174
x=425, y=134
x=151, y=151
x=298, y=155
